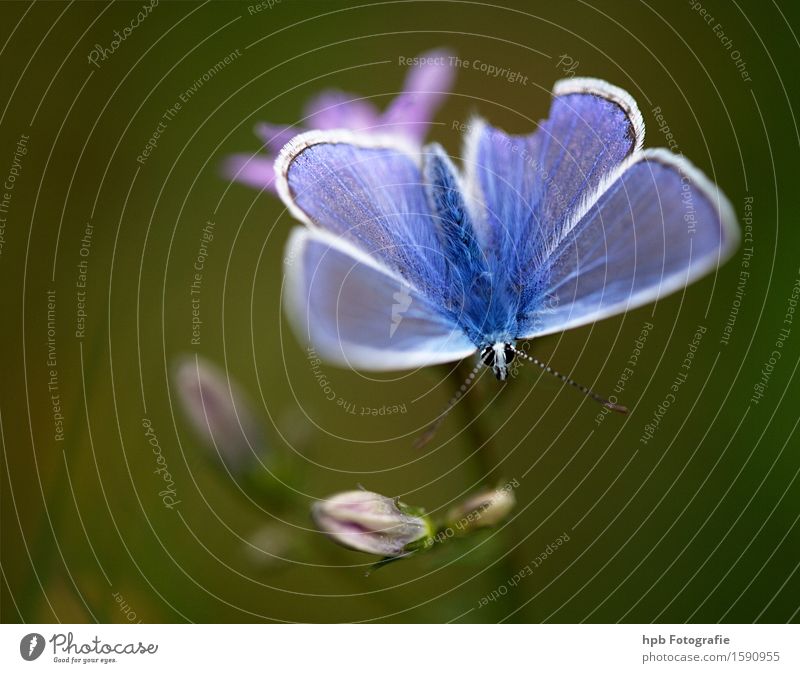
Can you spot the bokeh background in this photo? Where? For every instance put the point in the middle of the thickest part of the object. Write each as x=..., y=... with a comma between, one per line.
x=698, y=524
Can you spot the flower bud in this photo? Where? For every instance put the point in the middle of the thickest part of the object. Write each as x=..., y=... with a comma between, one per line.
x=483, y=509
x=219, y=412
x=270, y=546
x=371, y=523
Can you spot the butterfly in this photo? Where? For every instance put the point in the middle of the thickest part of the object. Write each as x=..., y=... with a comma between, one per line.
x=406, y=261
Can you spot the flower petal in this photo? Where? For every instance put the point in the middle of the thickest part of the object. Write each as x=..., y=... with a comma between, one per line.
x=275, y=136
x=334, y=109
x=424, y=91
x=255, y=170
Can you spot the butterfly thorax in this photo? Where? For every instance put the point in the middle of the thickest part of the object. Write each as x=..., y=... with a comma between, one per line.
x=498, y=356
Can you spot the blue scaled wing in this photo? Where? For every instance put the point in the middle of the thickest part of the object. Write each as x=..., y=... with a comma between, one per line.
x=355, y=311
x=369, y=191
x=651, y=228
x=529, y=185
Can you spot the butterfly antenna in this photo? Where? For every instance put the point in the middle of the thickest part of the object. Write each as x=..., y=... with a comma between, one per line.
x=430, y=431
x=586, y=391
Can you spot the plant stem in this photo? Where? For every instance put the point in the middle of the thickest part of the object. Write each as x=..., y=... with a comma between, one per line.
x=484, y=461
x=482, y=454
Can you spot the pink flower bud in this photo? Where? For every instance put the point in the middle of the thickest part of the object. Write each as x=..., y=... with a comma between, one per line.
x=483, y=509
x=369, y=522
x=219, y=412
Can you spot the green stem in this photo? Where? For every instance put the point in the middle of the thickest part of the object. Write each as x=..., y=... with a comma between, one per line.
x=484, y=460
x=482, y=455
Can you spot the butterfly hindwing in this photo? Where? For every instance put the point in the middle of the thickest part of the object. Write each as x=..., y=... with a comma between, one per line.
x=360, y=314
x=658, y=225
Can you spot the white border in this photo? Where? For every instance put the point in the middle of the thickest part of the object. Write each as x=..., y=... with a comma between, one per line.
x=729, y=236
x=297, y=145
x=358, y=356
x=592, y=86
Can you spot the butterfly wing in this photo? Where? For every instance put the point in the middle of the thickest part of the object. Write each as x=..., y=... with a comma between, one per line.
x=369, y=191
x=652, y=228
x=592, y=128
x=358, y=313
x=529, y=184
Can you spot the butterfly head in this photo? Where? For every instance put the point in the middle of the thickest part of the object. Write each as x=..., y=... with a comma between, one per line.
x=498, y=356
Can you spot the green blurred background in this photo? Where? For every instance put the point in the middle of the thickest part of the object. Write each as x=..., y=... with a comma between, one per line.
x=698, y=524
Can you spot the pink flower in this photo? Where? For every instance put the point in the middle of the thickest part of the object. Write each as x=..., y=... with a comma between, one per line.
x=409, y=115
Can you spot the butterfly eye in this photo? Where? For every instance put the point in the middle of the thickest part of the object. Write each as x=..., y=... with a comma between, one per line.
x=510, y=354
x=487, y=356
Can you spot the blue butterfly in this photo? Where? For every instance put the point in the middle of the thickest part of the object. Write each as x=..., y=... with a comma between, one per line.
x=407, y=262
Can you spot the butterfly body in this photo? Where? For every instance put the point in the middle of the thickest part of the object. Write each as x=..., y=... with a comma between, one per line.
x=498, y=356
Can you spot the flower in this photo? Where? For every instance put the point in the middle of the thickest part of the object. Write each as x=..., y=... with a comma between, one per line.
x=371, y=523
x=409, y=115
x=483, y=509
x=219, y=412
